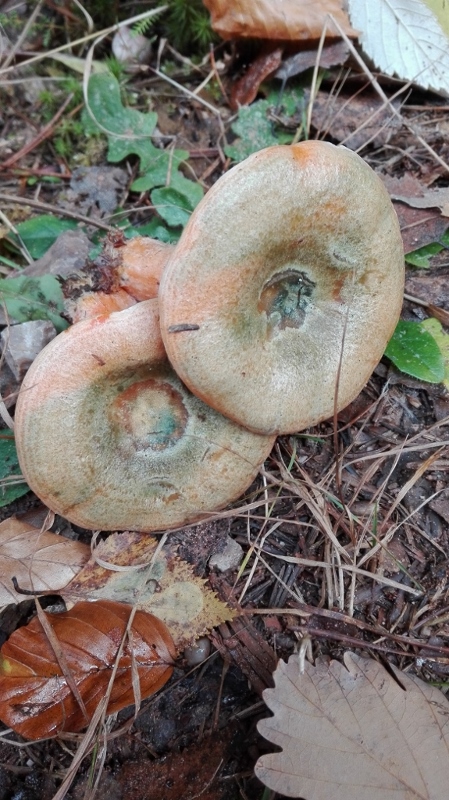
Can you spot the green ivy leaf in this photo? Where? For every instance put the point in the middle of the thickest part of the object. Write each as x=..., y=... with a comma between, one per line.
x=28, y=298
x=176, y=202
x=254, y=130
x=39, y=233
x=9, y=467
x=413, y=350
x=171, y=205
x=113, y=117
x=163, y=166
x=159, y=169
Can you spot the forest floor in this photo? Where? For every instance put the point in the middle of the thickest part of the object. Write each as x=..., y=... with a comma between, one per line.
x=365, y=496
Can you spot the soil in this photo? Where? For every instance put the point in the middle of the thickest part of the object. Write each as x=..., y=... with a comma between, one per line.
x=373, y=482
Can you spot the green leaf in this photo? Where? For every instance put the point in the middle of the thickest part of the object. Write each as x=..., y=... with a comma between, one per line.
x=171, y=205
x=177, y=196
x=413, y=350
x=435, y=328
x=129, y=131
x=254, y=130
x=39, y=233
x=163, y=167
x=156, y=230
x=421, y=257
x=176, y=202
x=28, y=298
x=9, y=466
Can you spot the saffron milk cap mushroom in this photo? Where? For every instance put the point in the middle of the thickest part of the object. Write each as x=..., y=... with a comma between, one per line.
x=109, y=437
x=285, y=287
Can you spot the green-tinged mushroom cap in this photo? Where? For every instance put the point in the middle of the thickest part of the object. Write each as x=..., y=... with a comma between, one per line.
x=285, y=287
x=109, y=437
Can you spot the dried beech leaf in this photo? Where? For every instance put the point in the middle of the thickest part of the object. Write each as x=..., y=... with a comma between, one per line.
x=35, y=698
x=122, y=568
x=40, y=561
x=284, y=20
x=353, y=732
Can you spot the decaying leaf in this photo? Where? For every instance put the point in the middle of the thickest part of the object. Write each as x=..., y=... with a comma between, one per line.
x=125, y=568
x=353, y=732
x=265, y=64
x=39, y=560
x=433, y=198
x=288, y=20
x=36, y=681
x=330, y=55
x=404, y=38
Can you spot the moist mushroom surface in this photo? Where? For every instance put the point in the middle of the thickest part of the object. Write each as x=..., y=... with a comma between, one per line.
x=109, y=437
x=285, y=287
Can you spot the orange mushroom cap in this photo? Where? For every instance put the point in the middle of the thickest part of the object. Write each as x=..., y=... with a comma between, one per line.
x=109, y=437
x=285, y=287
x=142, y=263
x=129, y=270
x=95, y=304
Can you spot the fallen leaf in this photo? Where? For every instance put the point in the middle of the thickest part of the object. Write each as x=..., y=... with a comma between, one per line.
x=413, y=350
x=244, y=91
x=287, y=20
x=435, y=328
x=35, y=696
x=125, y=568
x=330, y=55
x=433, y=198
x=355, y=732
x=404, y=38
x=418, y=226
x=39, y=560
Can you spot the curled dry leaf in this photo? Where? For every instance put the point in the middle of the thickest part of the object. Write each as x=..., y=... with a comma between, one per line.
x=35, y=695
x=288, y=20
x=353, y=732
x=39, y=560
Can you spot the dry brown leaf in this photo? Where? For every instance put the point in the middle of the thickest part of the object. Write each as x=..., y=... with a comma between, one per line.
x=353, y=732
x=120, y=569
x=49, y=685
x=39, y=560
x=330, y=55
x=284, y=20
x=433, y=198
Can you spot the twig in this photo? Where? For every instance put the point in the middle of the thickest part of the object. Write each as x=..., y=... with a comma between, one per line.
x=61, y=212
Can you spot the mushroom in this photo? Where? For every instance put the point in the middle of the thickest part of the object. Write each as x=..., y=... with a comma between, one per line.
x=142, y=261
x=108, y=436
x=285, y=287
x=129, y=270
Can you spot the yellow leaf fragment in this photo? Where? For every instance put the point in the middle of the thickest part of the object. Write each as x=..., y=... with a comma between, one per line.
x=127, y=569
x=435, y=328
